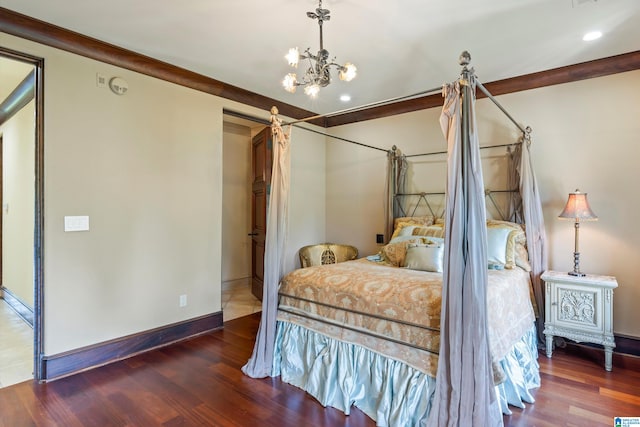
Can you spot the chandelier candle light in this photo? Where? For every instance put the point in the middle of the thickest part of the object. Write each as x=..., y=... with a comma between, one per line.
x=319, y=72
x=577, y=208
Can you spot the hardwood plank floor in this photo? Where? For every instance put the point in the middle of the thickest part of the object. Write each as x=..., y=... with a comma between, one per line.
x=16, y=336
x=199, y=382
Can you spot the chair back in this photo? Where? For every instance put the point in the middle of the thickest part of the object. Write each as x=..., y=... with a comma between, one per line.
x=326, y=253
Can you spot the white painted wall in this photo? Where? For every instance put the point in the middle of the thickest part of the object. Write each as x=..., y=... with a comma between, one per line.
x=585, y=136
x=307, y=197
x=18, y=197
x=146, y=168
x=307, y=208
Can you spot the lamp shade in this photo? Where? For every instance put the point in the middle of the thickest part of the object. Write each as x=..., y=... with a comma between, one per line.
x=578, y=208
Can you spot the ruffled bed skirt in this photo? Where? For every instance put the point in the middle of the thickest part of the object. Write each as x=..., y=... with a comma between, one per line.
x=340, y=375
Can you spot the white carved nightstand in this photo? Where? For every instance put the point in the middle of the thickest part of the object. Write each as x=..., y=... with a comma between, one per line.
x=581, y=309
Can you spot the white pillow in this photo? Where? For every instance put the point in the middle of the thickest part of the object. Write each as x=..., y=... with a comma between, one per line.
x=406, y=231
x=424, y=257
x=435, y=240
x=497, y=245
x=398, y=239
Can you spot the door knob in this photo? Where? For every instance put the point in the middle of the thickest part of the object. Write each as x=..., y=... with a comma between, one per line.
x=252, y=234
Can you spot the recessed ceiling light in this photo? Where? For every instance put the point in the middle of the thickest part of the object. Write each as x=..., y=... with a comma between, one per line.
x=592, y=35
x=345, y=98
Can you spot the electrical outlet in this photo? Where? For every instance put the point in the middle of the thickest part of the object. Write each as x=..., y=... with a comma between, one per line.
x=183, y=300
x=379, y=238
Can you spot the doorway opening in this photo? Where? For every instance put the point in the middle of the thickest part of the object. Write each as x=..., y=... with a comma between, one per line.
x=21, y=216
x=238, y=238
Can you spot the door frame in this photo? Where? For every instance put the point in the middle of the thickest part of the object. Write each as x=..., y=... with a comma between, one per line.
x=38, y=235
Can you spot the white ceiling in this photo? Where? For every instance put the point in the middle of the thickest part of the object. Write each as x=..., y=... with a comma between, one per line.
x=400, y=47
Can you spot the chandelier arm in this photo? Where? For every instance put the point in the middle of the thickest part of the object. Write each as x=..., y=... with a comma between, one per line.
x=338, y=66
x=310, y=55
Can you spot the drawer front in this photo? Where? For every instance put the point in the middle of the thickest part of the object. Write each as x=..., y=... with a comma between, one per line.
x=578, y=307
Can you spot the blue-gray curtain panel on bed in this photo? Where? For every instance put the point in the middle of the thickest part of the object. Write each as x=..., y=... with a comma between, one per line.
x=465, y=395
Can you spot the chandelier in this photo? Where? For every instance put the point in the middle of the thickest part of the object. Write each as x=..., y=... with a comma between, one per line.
x=319, y=72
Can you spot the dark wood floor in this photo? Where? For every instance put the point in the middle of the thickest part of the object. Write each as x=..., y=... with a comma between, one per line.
x=199, y=382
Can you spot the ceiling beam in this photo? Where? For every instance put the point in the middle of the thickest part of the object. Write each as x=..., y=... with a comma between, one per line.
x=571, y=73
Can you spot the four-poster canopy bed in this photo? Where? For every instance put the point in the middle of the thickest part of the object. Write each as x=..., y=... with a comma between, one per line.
x=439, y=327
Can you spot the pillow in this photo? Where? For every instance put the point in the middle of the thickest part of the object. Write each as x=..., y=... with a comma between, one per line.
x=395, y=252
x=435, y=240
x=406, y=221
x=497, y=245
x=424, y=257
x=398, y=239
x=516, y=237
x=413, y=220
x=430, y=231
x=406, y=230
x=522, y=256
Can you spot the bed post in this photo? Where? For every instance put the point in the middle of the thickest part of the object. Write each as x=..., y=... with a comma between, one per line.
x=392, y=184
x=464, y=60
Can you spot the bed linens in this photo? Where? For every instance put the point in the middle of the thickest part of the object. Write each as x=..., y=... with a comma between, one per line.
x=396, y=311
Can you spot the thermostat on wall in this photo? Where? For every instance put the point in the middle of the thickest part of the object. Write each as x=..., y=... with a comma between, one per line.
x=118, y=85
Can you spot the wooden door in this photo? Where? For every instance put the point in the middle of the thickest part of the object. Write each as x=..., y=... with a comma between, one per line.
x=261, y=157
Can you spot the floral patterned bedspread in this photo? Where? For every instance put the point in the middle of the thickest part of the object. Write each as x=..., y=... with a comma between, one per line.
x=396, y=311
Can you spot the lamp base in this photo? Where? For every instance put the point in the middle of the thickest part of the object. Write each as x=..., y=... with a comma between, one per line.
x=576, y=273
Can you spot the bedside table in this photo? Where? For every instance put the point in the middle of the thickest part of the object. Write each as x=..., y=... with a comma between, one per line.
x=581, y=309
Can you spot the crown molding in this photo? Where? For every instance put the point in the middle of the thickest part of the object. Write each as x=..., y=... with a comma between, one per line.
x=38, y=31
x=48, y=34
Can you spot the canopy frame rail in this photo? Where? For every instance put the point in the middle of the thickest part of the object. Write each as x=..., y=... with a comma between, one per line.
x=497, y=104
x=422, y=198
x=268, y=123
x=432, y=153
x=365, y=106
x=526, y=131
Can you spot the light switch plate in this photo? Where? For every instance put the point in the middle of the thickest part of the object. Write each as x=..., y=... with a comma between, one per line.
x=76, y=223
x=101, y=80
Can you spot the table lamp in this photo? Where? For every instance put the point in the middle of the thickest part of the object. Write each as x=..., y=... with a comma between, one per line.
x=578, y=209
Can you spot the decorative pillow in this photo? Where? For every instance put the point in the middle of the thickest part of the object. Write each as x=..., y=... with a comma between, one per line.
x=406, y=221
x=430, y=231
x=398, y=239
x=435, y=240
x=407, y=230
x=522, y=256
x=516, y=236
x=424, y=257
x=413, y=220
x=395, y=252
x=497, y=245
